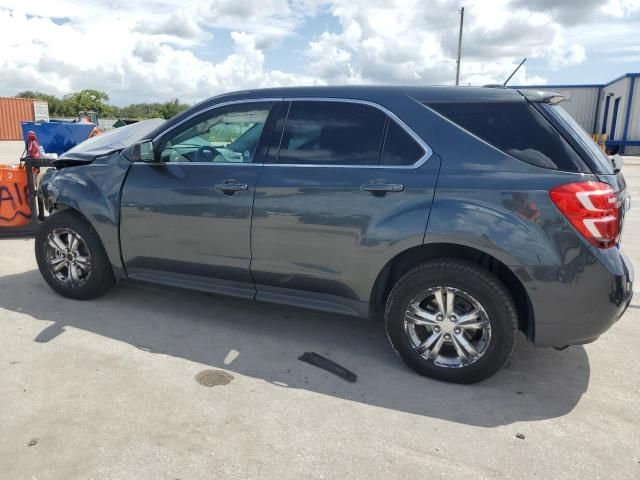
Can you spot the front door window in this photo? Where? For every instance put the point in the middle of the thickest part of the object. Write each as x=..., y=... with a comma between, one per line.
x=225, y=135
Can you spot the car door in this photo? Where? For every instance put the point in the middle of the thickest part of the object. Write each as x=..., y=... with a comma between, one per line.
x=350, y=186
x=186, y=217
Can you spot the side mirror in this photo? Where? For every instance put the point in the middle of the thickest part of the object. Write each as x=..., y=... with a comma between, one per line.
x=141, y=152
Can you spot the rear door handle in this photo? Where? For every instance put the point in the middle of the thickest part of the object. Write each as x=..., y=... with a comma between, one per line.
x=229, y=188
x=381, y=188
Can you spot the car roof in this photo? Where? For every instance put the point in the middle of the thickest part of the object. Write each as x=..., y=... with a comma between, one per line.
x=383, y=95
x=372, y=92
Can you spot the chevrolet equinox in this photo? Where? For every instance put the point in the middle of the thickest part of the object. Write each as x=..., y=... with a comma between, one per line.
x=460, y=215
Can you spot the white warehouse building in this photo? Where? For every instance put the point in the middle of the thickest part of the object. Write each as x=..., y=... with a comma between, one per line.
x=612, y=109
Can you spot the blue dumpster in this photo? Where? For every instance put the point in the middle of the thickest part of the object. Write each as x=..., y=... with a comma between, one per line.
x=58, y=137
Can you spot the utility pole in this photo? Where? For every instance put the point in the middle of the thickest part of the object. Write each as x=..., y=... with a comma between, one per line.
x=459, y=46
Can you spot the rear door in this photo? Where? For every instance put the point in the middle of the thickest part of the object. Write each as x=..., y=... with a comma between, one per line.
x=186, y=219
x=348, y=187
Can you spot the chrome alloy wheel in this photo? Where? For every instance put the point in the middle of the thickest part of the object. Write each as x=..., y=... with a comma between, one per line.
x=68, y=257
x=447, y=327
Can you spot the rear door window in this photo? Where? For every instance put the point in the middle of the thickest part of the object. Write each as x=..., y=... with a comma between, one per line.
x=515, y=128
x=332, y=133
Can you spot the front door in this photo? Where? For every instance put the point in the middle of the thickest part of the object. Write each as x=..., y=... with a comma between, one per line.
x=186, y=218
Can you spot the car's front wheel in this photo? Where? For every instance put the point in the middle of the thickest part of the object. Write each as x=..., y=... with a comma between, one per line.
x=451, y=320
x=71, y=257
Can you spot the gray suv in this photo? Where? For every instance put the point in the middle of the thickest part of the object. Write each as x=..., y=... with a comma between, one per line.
x=459, y=215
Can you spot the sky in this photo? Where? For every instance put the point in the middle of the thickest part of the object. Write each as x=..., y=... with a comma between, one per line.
x=157, y=50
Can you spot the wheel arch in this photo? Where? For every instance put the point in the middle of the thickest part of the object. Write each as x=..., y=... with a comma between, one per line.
x=93, y=192
x=92, y=260
x=408, y=259
x=62, y=206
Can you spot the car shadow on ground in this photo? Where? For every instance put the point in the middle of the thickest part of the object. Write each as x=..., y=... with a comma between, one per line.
x=268, y=339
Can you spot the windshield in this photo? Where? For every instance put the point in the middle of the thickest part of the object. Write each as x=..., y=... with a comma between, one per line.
x=601, y=162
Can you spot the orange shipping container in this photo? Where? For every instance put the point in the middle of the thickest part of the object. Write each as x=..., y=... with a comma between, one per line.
x=13, y=111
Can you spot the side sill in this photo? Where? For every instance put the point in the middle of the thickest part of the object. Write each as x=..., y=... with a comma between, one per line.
x=312, y=301
x=264, y=293
x=193, y=282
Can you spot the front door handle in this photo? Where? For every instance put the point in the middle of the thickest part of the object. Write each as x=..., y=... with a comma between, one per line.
x=381, y=188
x=229, y=188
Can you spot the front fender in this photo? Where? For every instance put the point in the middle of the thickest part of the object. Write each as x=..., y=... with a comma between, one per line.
x=94, y=191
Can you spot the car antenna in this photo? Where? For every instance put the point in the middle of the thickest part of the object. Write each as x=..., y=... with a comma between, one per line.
x=514, y=72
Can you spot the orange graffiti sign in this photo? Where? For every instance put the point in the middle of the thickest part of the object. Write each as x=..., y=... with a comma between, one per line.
x=15, y=209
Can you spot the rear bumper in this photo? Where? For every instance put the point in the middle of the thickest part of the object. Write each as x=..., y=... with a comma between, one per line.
x=576, y=304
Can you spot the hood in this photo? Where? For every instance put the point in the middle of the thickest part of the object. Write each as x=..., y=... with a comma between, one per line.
x=112, y=141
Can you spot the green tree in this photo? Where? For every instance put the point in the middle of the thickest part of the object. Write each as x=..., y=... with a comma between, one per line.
x=70, y=105
x=139, y=110
x=172, y=108
x=89, y=99
x=56, y=105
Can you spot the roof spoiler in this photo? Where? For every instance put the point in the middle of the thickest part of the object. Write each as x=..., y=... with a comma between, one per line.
x=540, y=96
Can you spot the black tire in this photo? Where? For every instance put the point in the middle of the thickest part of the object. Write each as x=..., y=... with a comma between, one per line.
x=478, y=283
x=98, y=277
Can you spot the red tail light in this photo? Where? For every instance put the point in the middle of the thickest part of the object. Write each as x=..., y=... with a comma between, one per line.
x=592, y=208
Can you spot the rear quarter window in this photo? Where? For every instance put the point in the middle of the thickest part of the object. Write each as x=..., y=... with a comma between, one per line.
x=517, y=129
x=599, y=161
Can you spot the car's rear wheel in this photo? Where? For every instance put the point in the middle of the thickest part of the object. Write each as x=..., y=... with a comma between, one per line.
x=71, y=257
x=451, y=320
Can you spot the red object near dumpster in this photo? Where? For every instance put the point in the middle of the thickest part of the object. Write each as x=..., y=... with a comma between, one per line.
x=15, y=208
x=33, y=147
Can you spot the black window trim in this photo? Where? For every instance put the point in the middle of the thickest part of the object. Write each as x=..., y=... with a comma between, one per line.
x=383, y=141
x=390, y=116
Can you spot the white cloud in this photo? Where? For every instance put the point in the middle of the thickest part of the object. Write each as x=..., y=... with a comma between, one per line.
x=566, y=56
x=414, y=41
x=147, y=51
x=180, y=25
x=153, y=50
x=133, y=55
x=268, y=20
x=410, y=41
